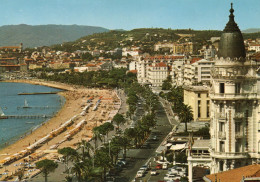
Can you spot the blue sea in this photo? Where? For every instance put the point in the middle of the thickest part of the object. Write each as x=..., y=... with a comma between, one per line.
x=12, y=104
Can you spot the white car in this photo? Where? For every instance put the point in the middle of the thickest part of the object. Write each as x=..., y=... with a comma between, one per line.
x=171, y=177
x=140, y=174
x=153, y=172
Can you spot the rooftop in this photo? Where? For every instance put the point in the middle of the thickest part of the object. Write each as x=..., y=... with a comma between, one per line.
x=236, y=175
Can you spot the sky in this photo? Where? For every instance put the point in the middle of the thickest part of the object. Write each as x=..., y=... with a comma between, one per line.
x=131, y=14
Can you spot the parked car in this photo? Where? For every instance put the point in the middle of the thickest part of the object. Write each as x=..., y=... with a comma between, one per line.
x=153, y=172
x=110, y=179
x=158, y=166
x=165, y=166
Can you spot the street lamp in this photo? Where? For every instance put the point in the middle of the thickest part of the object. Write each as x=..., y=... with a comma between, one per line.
x=109, y=141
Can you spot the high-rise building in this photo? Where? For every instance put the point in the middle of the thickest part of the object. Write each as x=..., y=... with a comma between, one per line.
x=235, y=110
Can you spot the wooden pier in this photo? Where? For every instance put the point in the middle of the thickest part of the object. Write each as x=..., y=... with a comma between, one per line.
x=37, y=93
x=24, y=116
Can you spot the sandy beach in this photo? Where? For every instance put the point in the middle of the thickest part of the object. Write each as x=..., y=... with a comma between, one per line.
x=57, y=133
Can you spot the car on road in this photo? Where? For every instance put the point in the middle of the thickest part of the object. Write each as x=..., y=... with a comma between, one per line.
x=153, y=172
x=140, y=174
x=158, y=166
x=144, y=168
x=154, y=138
x=171, y=177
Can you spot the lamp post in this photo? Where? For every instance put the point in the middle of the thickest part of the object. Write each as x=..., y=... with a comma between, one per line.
x=109, y=141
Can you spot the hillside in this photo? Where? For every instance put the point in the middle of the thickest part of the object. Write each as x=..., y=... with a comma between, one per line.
x=251, y=30
x=143, y=37
x=44, y=35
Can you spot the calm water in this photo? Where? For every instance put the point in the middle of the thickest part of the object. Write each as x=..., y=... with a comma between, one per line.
x=11, y=104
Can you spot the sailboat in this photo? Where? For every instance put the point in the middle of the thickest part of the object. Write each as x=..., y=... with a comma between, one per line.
x=26, y=104
x=2, y=114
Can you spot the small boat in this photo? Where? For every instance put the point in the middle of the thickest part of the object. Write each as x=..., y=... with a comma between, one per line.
x=2, y=114
x=26, y=104
x=29, y=122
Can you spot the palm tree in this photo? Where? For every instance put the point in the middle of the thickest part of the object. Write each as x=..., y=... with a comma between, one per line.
x=103, y=161
x=78, y=169
x=68, y=153
x=86, y=147
x=186, y=115
x=46, y=166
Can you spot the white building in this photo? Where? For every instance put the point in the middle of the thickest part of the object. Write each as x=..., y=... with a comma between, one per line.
x=235, y=110
x=197, y=71
x=149, y=73
x=254, y=47
x=157, y=73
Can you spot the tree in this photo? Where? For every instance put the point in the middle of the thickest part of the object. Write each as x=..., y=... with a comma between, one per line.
x=103, y=160
x=186, y=115
x=167, y=83
x=67, y=153
x=108, y=127
x=46, y=166
x=119, y=119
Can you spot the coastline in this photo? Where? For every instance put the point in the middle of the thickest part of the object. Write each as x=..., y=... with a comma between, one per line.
x=76, y=97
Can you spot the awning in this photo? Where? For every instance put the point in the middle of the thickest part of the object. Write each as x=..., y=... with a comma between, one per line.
x=178, y=146
x=168, y=145
x=160, y=149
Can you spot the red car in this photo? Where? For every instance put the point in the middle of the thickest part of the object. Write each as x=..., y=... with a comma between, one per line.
x=158, y=166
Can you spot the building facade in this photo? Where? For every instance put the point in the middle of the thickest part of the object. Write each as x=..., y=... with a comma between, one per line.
x=198, y=98
x=234, y=126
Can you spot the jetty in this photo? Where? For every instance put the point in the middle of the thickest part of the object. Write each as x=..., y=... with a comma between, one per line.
x=24, y=116
x=37, y=93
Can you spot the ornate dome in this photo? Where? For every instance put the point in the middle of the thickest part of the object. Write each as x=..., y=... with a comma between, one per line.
x=231, y=41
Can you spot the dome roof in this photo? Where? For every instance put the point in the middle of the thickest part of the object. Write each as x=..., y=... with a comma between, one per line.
x=231, y=41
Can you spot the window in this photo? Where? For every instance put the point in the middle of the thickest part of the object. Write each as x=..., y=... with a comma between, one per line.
x=222, y=146
x=221, y=127
x=237, y=88
x=237, y=127
x=207, y=111
x=222, y=88
x=221, y=107
x=221, y=165
x=198, y=95
x=198, y=111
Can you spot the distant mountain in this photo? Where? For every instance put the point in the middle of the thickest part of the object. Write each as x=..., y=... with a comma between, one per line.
x=44, y=35
x=251, y=30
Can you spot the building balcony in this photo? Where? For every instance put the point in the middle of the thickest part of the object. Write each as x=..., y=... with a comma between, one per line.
x=221, y=115
x=233, y=96
x=239, y=115
x=222, y=135
x=239, y=135
x=229, y=155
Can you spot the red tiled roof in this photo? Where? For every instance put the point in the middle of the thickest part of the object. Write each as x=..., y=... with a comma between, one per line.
x=90, y=65
x=194, y=60
x=236, y=175
x=133, y=71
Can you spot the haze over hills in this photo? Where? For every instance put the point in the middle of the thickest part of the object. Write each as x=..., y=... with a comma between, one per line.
x=251, y=30
x=44, y=35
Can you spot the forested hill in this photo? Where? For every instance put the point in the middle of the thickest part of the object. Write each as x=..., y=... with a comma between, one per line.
x=143, y=37
x=44, y=35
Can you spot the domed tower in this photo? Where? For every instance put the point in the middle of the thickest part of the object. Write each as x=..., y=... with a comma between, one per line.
x=231, y=41
x=233, y=94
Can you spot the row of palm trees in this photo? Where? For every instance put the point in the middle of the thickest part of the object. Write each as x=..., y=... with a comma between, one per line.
x=184, y=111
